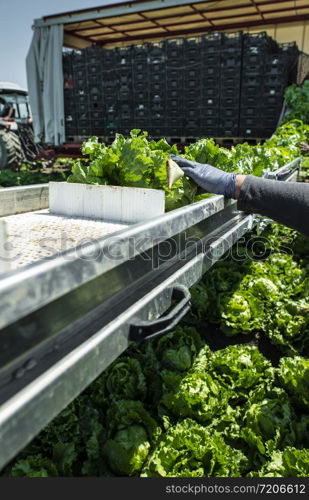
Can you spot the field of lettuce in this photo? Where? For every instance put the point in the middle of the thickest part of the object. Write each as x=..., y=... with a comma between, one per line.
x=227, y=392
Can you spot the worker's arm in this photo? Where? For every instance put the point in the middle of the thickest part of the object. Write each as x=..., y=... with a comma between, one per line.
x=285, y=202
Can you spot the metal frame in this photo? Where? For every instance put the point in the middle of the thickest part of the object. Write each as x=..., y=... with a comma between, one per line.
x=142, y=8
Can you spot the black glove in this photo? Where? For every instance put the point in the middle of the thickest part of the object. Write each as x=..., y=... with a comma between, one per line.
x=211, y=179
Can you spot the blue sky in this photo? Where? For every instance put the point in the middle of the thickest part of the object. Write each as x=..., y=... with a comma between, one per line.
x=15, y=31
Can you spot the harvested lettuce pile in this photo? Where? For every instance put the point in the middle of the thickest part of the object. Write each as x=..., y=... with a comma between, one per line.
x=140, y=162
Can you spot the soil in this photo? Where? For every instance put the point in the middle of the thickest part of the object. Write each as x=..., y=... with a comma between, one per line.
x=216, y=340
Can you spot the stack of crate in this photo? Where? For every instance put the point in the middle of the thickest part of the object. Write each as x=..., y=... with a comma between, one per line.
x=210, y=84
x=69, y=95
x=192, y=86
x=230, y=78
x=217, y=85
x=261, y=91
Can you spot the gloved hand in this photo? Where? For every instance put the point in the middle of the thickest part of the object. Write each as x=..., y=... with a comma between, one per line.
x=211, y=179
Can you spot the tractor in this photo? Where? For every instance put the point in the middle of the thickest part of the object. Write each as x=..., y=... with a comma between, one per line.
x=16, y=133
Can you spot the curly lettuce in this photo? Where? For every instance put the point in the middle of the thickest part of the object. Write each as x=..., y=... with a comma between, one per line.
x=191, y=450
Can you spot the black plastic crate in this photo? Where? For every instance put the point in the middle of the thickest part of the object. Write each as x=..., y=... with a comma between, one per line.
x=142, y=123
x=274, y=80
x=192, y=113
x=174, y=49
x=210, y=72
x=274, y=90
x=210, y=92
x=252, y=60
x=209, y=131
x=82, y=108
x=139, y=113
x=96, y=105
x=277, y=71
x=230, y=64
x=252, y=80
x=247, y=131
x=173, y=74
x=154, y=87
x=94, y=69
x=174, y=122
x=139, y=86
x=192, y=43
x=174, y=113
x=250, y=72
x=79, y=58
x=174, y=94
x=141, y=95
x=173, y=131
x=191, y=131
x=157, y=131
x=211, y=42
x=229, y=91
x=210, y=81
x=230, y=74
x=84, y=130
x=140, y=76
x=175, y=84
x=230, y=102
x=94, y=80
x=269, y=121
x=230, y=113
x=191, y=73
x=248, y=111
x=174, y=102
x=81, y=83
x=153, y=97
x=192, y=84
x=108, y=87
x=210, y=102
x=232, y=40
x=110, y=100
x=156, y=68
x=192, y=103
x=92, y=54
x=271, y=111
x=259, y=40
x=251, y=90
x=206, y=121
x=70, y=130
x=273, y=100
x=226, y=131
x=140, y=52
x=230, y=82
x=97, y=122
x=79, y=72
x=156, y=50
x=157, y=108
x=82, y=99
x=246, y=121
x=208, y=112
x=193, y=93
x=210, y=60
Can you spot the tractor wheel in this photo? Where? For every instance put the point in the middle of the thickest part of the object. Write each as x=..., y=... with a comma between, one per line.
x=11, y=151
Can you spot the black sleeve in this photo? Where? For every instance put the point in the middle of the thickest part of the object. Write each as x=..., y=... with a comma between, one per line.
x=284, y=202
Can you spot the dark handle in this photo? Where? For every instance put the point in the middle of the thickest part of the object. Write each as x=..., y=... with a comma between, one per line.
x=284, y=173
x=144, y=329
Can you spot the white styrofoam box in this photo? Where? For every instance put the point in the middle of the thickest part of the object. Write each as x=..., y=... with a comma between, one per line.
x=114, y=203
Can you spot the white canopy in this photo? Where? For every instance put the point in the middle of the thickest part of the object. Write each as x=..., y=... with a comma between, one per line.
x=45, y=84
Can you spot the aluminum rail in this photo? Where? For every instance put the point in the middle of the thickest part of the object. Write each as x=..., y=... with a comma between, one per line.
x=63, y=321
